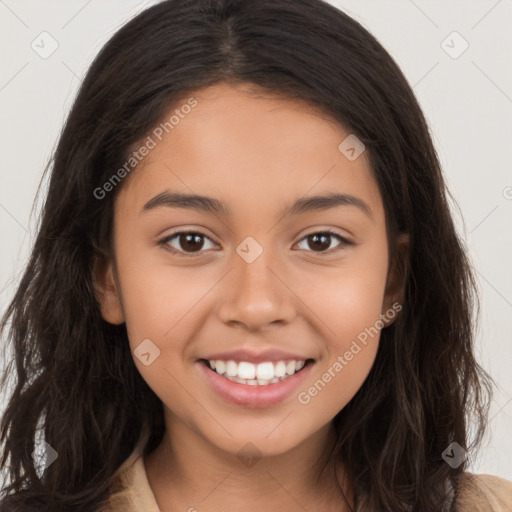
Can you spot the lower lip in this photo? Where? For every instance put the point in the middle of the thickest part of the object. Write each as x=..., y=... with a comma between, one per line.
x=254, y=396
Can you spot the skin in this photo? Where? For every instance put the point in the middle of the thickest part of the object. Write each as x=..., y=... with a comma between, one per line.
x=257, y=153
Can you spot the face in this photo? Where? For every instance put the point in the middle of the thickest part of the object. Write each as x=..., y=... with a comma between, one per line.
x=246, y=279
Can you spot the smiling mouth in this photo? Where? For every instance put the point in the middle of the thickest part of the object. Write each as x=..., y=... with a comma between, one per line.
x=262, y=374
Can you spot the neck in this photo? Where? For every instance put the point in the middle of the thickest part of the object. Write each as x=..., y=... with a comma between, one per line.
x=193, y=474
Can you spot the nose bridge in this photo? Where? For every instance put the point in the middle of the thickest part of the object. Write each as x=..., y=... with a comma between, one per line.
x=255, y=295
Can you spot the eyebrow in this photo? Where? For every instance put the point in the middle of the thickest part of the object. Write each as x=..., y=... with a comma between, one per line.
x=207, y=204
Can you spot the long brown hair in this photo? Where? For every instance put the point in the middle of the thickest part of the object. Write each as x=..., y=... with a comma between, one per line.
x=74, y=376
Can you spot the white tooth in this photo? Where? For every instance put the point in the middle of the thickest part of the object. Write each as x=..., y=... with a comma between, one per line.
x=261, y=374
x=280, y=369
x=246, y=370
x=290, y=368
x=299, y=365
x=231, y=368
x=212, y=365
x=265, y=371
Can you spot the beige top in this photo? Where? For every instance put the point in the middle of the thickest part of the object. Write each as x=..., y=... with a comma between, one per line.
x=478, y=493
x=135, y=494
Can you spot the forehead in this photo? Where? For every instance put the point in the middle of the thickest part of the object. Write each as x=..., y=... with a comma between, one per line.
x=242, y=144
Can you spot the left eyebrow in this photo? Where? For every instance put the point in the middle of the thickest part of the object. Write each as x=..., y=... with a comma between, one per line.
x=210, y=205
x=326, y=202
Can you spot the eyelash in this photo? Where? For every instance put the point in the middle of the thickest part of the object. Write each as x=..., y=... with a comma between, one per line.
x=163, y=242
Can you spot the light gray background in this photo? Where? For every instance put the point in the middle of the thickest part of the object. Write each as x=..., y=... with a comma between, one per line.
x=467, y=101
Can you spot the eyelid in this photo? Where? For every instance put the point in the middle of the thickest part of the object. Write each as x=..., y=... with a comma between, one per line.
x=163, y=242
x=344, y=241
x=331, y=231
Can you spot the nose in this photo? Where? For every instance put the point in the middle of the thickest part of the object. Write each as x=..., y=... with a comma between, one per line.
x=256, y=295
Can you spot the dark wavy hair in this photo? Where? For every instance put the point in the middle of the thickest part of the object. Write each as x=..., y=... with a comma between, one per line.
x=75, y=381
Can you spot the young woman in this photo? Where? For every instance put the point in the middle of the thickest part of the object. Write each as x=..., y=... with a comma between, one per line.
x=247, y=291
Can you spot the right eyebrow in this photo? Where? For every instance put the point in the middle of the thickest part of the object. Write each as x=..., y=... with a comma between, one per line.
x=188, y=201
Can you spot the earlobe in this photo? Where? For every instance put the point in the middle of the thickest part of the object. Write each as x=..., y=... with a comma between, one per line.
x=396, y=281
x=107, y=290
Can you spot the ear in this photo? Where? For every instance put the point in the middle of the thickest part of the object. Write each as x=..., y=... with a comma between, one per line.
x=106, y=288
x=395, y=284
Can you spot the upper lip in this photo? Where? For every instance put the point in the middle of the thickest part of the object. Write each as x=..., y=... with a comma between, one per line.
x=272, y=355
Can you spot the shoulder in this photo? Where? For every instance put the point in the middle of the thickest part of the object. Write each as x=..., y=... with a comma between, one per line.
x=130, y=490
x=484, y=492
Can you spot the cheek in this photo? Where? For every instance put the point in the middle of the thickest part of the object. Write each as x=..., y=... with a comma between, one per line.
x=348, y=302
x=161, y=307
x=350, y=343
x=348, y=299
x=158, y=299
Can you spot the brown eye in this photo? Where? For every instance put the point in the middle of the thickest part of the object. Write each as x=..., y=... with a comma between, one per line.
x=191, y=241
x=188, y=242
x=321, y=241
